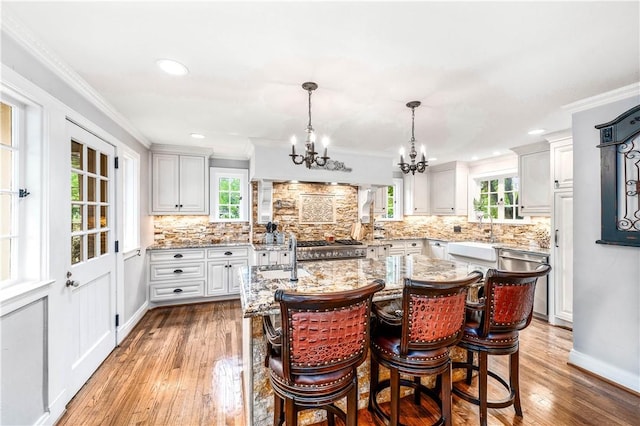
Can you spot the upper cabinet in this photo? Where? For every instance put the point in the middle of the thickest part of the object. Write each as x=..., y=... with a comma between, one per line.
x=562, y=164
x=179, y=183
x=534, y=172
x=416, y=194
x=448, y=185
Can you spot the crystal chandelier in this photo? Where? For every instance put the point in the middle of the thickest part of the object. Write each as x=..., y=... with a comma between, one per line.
x=421, y=165
x=310, y=155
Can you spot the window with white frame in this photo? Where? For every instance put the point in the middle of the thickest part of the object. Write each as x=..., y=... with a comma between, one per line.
x=496, y=197
x=229, y=195
x=20, y=210
x=130, y=165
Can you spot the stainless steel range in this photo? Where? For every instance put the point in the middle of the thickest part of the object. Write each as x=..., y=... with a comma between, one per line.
x=323, y=250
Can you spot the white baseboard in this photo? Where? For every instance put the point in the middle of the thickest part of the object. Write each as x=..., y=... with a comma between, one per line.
x=606, y=371
x=57, y=407
x=125, y=329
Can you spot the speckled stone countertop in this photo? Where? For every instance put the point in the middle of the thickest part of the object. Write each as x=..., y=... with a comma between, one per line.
x=197, y=244
x=256, y=291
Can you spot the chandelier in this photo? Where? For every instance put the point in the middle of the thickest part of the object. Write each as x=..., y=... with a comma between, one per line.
x=421, y=165
x=310, y=155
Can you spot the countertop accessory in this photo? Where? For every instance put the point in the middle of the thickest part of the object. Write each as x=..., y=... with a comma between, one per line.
x=310, y=154
x=421, y=165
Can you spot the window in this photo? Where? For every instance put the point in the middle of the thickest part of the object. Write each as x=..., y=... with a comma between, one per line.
x=229, y=200
x=130, y=199
x=497, y=198
x=20, y=192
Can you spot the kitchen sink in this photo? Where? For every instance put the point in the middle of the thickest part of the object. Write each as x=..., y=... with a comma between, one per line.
x=281, y=274
x=473, y=249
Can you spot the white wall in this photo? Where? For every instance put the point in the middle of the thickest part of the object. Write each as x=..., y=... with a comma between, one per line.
x=606, y=287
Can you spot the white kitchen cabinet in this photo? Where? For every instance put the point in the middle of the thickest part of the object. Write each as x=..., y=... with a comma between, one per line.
x=179, y=184
x=448, y=187
x=222, y=270
x=437, y=249
x=562, y=164
x=533, y=172
x=380, y=202
x=562, y=259
x=416, y=194
x=176, y=274
x=378, y=251
x=405, y=247
x=271, y=257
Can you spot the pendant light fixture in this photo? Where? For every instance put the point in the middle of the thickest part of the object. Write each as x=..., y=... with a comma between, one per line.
x=310, y=155
x=421, y=165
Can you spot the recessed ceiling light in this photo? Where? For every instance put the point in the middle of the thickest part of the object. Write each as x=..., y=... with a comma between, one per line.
x=334, y=183
x=172, y=67
x=293, y=181
x=197, y=136
x=432, y=159
x=536, y=131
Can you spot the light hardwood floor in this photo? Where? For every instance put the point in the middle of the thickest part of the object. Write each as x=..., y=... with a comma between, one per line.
x=182, y=366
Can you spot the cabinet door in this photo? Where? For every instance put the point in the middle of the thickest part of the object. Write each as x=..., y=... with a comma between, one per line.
x=416, y=194
x=563, y=255
x=262, y=258
x=563, y=166
x=284, y=258
x=443, y=192
x=438, y=250
x=380, y=202
x=534, y=183
x=193, y=184
x=234, y=276
x=165, y=183
x=217, y=278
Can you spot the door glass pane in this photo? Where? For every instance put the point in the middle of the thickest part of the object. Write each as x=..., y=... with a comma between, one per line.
x=5, y=259
x=76, y=155
x=104, y=194
x=91, y=246
x=76, y=249
x=104, y=210
x=6, y=119
x=76, y=187
x=76, y=217
x=104, y=168
x=5, y=214
x=91, y=217
x=91, y=189
x=104, y=240
x=91, y=160
x=6, y=168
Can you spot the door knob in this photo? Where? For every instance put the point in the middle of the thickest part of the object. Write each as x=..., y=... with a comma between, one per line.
x=70, y=282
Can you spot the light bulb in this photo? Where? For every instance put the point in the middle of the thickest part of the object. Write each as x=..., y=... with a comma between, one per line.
x=293, y=140
x=325, y=141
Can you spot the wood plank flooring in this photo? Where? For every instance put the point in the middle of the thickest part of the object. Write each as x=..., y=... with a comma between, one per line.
x=182, y=366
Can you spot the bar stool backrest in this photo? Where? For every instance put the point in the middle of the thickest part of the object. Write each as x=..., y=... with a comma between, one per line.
x=325, y=332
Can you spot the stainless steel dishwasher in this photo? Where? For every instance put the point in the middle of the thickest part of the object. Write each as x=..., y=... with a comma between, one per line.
x=515, y=260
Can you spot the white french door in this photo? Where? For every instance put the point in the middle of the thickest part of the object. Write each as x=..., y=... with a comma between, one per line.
x=91, y=285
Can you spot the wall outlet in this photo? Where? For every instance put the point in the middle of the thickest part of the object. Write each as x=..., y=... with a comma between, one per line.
x=457, y=228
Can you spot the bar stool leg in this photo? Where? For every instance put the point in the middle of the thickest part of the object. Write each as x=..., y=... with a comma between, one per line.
x=445, y=394
x=395, y=397
x=290, y=413
x=514, y=381
x=374, y=377
x=278, y=415
x=482, y=386
x=416, y=392
x=469, y=364
x=352, y=403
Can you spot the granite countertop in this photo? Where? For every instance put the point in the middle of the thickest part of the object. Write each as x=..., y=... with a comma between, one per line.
x=196, y=244
x=256, y=290
x=270, y=247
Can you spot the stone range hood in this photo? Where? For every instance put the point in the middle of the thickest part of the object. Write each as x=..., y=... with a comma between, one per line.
x=270, y=161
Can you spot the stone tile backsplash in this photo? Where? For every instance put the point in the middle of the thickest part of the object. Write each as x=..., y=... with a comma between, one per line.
x=170, y=230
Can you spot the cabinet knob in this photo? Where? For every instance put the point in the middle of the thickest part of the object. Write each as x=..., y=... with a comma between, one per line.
x=177, y=290
x=414, y=244
x=177, y=206
x=285, y=254
x=264, y=254
x=177, y=271
x=180, y=205
x=227, y=253
x=178, y=256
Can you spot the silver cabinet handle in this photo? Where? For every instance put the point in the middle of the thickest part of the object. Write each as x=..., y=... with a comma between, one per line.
x=555, y=237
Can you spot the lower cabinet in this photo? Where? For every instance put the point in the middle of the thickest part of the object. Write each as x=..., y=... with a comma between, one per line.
x=405, y=247
x=378, y=252
x=438, y=249
x=195, y=273
x=271, y=257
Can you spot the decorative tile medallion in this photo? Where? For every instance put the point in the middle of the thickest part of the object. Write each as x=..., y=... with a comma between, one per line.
x=317, y=208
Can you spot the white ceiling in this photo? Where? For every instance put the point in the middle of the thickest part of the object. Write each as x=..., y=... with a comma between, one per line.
x=485, y=72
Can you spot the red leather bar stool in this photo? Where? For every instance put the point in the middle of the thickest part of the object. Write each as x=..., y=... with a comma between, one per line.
x=492, y=328
x=313, y=357
x=415, y=341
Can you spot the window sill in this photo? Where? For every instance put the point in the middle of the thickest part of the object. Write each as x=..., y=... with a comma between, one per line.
x=21, y=293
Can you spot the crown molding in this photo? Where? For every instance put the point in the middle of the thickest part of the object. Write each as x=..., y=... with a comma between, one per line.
x=25, y=38
x=604, y=98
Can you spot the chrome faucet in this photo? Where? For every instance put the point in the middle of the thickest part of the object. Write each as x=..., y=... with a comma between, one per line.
x=491, y=237
x=293, y=248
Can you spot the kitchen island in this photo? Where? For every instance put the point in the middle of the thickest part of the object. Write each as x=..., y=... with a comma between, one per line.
x=259, y=283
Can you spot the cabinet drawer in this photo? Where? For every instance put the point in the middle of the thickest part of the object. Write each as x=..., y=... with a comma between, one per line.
x=175, y=291
x=167, y=255
x=177, y=270
x=227, y=252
